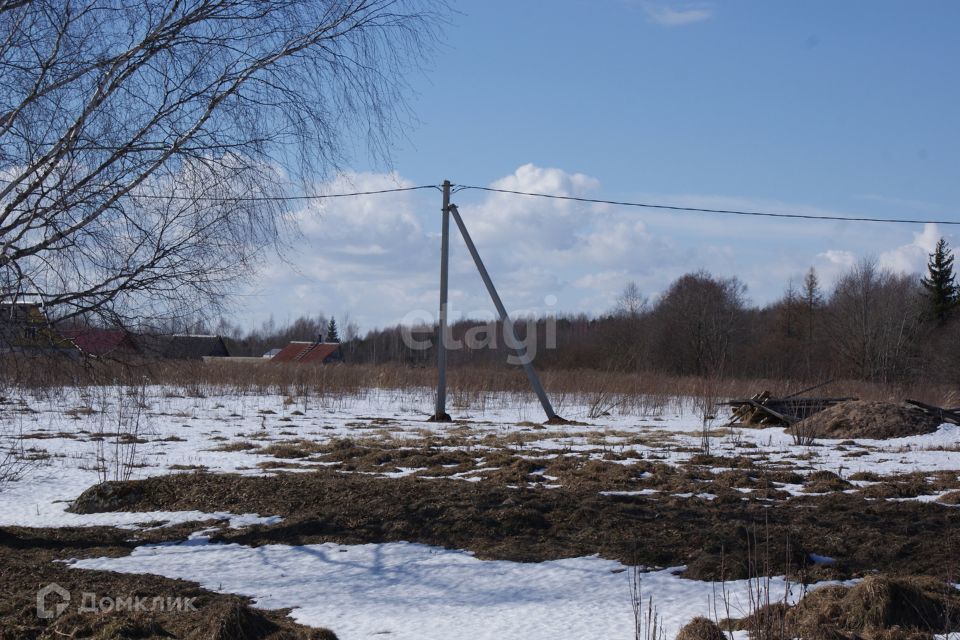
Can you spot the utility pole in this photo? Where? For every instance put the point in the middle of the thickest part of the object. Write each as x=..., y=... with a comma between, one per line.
x=440, y=414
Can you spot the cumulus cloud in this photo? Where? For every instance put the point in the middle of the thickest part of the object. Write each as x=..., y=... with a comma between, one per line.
x=538, y=222
x=912, y=257
x=380, y=224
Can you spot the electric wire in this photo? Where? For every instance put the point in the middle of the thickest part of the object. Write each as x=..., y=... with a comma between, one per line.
x=619, y=203
x=670, y=207
x=321, y=196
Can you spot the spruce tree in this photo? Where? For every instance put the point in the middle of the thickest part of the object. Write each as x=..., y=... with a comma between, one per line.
x=332, y=331
x=812, y=299
x=939, y=283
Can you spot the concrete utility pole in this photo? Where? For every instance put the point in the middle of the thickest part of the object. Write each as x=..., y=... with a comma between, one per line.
x=440, y=414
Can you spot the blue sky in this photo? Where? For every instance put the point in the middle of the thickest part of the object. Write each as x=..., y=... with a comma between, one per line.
x=845, y=108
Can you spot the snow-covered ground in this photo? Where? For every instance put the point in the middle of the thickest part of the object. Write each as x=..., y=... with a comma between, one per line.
x=412, y=591
x=406, y=590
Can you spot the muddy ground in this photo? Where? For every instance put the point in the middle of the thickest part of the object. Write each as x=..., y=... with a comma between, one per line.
x=530, y=523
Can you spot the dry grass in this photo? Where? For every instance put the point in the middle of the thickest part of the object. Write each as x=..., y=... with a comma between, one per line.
x=824, y=482
x=239, y=445
x=292, y=449
x=952, y=498
x=876, y=605
x=602, y=391
x=701, y=628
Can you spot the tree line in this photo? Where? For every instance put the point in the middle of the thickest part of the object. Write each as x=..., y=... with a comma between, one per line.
x=873, y=324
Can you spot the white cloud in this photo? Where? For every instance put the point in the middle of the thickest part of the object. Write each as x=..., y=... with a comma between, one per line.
x=668, y=15
x=839, y=258
x=369, y=255
x=833, y=263
x=530, y=221
x=362, y=224
x=912, y=257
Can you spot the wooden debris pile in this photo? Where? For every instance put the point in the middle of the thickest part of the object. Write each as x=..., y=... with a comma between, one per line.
x=764, y=410
x=944, y=415
x=767, y=411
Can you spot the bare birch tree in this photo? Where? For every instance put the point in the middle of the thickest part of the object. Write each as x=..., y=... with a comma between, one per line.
x=143, y=143
x=874, y=316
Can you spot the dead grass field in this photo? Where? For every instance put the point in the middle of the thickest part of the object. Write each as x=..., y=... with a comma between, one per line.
x=467, y=385
x=719, y=501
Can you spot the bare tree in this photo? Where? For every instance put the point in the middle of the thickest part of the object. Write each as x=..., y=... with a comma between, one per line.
x=624, y=336
x=143, y=144
x=788, y=308
x=631, y=302
x=874, y=316
x=697, y=321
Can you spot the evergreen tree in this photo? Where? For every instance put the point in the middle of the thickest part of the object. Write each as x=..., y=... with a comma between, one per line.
x=939, y=282
x=332, y=335
x=812, y=299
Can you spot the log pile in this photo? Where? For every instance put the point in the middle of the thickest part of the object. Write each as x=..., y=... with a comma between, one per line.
x=767, y=411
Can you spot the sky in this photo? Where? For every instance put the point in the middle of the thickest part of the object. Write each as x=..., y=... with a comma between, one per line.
x=815, y=107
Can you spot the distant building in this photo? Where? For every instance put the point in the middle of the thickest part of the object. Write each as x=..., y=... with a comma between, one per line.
x=24, y=328
x=310, y=353
x=102, y=342
x=272, y=353
x=183, y=347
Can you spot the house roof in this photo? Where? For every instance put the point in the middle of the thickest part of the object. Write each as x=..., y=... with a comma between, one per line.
x=315, y=352
x=183, y=347
x=99, y=342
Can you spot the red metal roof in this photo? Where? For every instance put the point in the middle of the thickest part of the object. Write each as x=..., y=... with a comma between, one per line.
x=321, y=352
x=315, y=352
x=99, y=342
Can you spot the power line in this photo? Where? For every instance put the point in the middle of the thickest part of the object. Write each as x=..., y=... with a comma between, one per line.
x=284, y=198
x=619, y=203
x=669, y=207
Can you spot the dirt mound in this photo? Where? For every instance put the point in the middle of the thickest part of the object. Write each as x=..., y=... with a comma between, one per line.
x=701, y=629
x=866, y=419
x=876, y=607
x=107, y=496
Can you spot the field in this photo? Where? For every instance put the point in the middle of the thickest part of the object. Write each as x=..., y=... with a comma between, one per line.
x=279, y=511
